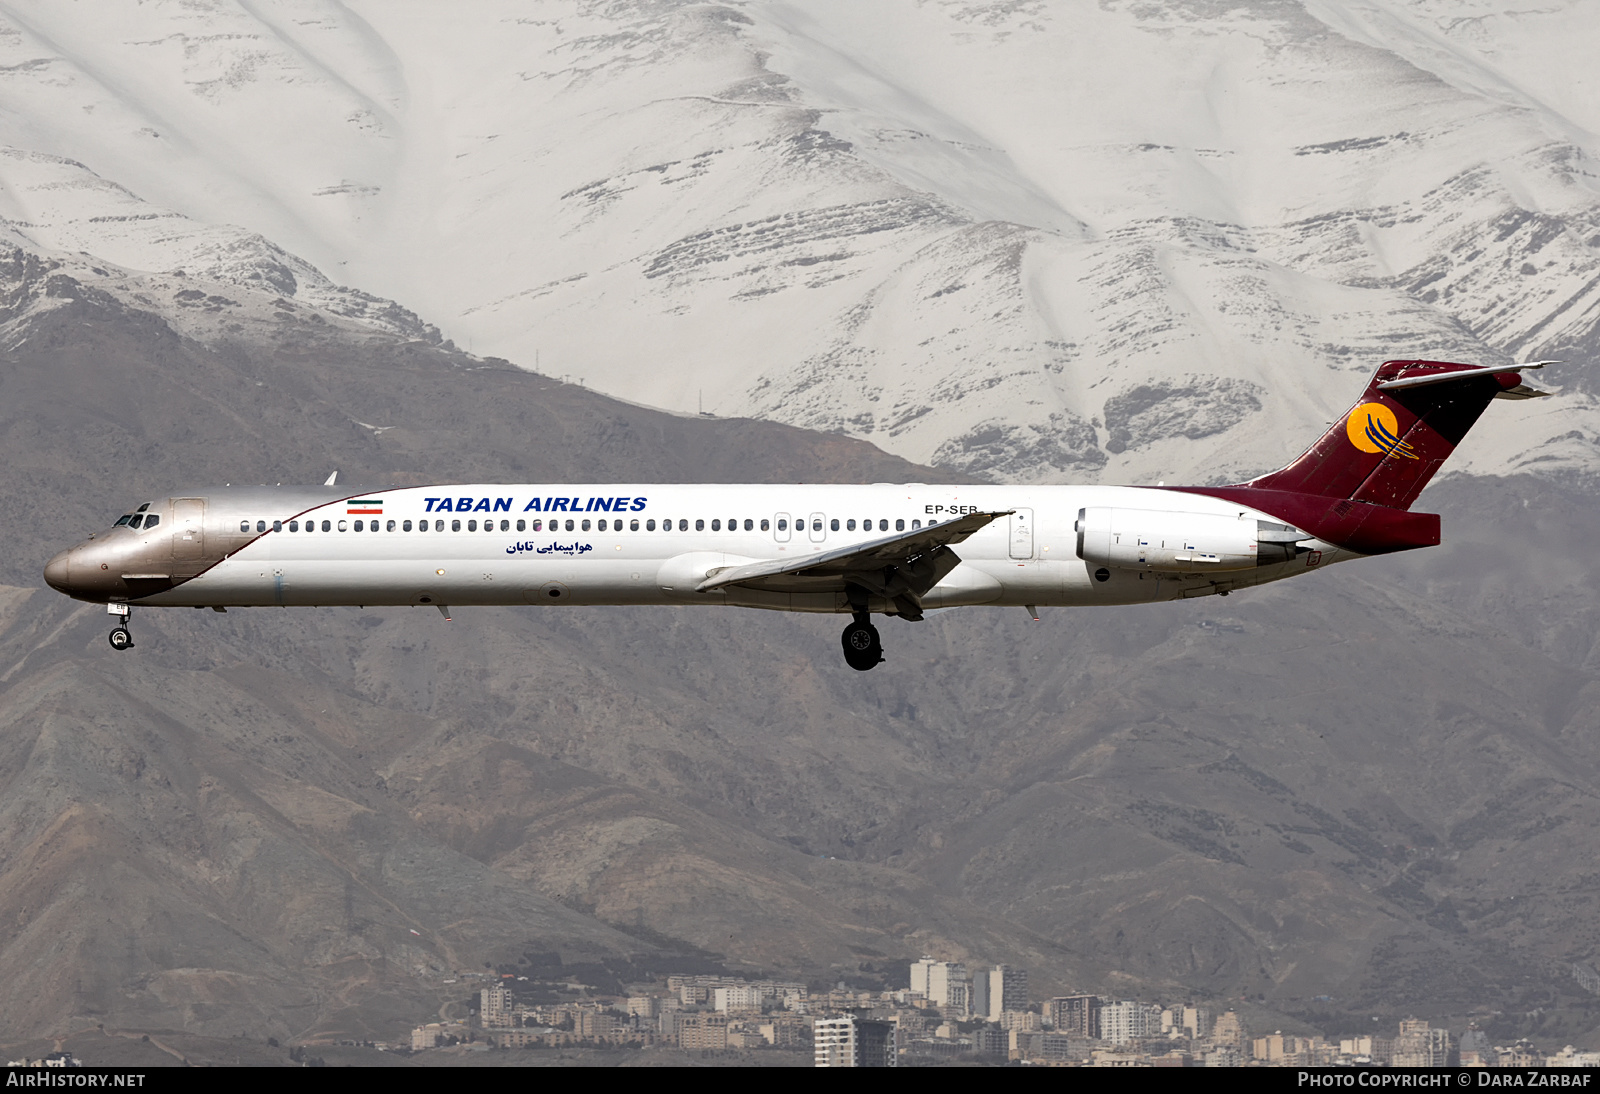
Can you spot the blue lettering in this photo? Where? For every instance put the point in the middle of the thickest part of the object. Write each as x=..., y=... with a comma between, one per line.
x=559, y=505
x=602, y=505
x=532, y=507
x=444, y=506
x=620, y=505
x=638, y=504
x=463, y=505
x=574, y=508
x=502, y=505
x=430, y=502
x=482, y=506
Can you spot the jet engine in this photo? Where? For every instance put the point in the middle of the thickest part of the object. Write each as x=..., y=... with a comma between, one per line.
x=1186, y=543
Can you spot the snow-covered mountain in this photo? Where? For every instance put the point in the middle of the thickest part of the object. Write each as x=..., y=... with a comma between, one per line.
x=1041, y=241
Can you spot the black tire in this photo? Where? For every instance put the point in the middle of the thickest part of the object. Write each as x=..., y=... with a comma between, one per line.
x=862, y=647
x=120, y=639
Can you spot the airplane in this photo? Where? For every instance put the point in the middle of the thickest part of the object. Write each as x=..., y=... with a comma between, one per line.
x=888, y=549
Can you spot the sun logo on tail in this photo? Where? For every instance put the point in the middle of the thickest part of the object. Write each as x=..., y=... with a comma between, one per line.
x=1372, y=427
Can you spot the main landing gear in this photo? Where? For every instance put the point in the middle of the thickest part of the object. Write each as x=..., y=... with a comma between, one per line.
x=120, y=638
x=862, y=647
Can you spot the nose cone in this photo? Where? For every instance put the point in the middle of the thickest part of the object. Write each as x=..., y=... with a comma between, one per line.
x=56, y=573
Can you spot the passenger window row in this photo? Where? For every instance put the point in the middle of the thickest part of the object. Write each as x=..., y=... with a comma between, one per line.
x=633, y=525
x=389, y=526
x=849, y=525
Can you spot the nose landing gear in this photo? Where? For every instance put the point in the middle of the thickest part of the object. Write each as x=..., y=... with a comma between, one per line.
x=862, y=647
x=120, y=638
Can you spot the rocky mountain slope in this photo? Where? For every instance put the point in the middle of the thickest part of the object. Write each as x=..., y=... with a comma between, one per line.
x=1122, y=241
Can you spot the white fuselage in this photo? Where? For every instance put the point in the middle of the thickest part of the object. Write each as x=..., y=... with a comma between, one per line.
x=611, y=544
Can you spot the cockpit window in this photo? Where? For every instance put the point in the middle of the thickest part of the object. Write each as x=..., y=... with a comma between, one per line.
x=150, y=521
x=138, y=519
x=124, y=519
x=142, y=508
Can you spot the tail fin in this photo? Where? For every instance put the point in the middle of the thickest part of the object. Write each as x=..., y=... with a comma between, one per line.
x=1401, y=430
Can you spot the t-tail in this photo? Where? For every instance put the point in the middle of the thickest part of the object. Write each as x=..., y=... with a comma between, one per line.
x=1399, y=433
x=1356, y=484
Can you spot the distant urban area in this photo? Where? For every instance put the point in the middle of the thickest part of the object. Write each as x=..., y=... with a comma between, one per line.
x=947, y=1013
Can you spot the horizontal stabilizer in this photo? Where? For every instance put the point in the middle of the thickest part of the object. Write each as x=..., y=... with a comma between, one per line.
x=1459, y=374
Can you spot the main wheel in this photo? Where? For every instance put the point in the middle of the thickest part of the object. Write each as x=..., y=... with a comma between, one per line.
x=862, y=647
x=120, y=639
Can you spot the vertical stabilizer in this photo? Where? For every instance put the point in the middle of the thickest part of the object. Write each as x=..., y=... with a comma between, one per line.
x=1402, y=429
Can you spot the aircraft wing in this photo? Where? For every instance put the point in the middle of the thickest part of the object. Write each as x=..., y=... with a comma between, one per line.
x=901, y=551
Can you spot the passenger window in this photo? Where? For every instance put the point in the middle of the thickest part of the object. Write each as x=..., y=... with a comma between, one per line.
x=277, y=526
x=900, y=525
x=603, y=524
x=389, y=527
x=150, y=521
x=749, y=525
x=586, y=526
x=683, y=525
x=294, y=526
x=244, y=526
x=783, y=526
x=649, y=526
x=633, y=525
x=472, y=526
x=124, y=519
x=716, y=525
x=359, y=527
x=699, y=526
x=455, y=525
x=405, y=526
x=569, y=525
x=505, y=526
x=261, y=526
x=766, y=525
x=344, y=526
x=916, y=524
x=522, y=526
x=850, y=526
x=537, y=525
x=834, y=524
x=816, y=525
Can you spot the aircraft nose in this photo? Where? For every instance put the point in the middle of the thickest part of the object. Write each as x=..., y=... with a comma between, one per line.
x=57, y=573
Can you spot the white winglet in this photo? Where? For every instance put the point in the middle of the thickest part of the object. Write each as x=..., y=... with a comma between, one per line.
x=333, y=479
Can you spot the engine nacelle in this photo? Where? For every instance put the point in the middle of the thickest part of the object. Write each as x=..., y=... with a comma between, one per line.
x=1187, y=543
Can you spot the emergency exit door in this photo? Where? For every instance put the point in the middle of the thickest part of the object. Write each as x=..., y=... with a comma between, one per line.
x=1022, y=533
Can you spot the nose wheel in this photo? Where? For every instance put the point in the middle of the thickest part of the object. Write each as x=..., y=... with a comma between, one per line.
x=862, y=647
x=121, y=638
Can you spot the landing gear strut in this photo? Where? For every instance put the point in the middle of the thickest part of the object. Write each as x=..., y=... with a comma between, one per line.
x=120, y=638
x=862, y=647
